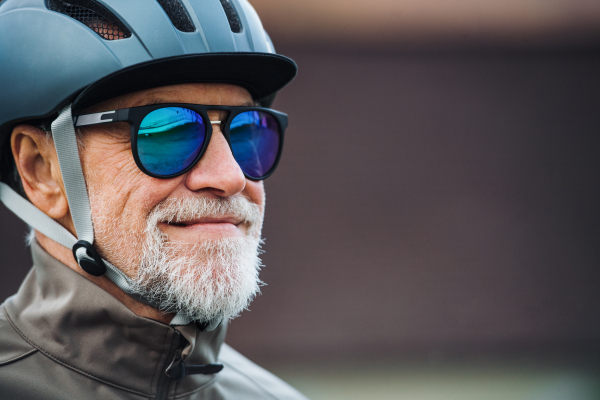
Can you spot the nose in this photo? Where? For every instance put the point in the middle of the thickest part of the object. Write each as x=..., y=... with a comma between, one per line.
x=217, y=172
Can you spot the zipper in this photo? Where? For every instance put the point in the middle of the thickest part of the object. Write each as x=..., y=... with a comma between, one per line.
x=164, y=382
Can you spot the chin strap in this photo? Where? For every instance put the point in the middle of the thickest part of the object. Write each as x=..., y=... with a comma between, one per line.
x=86, y=256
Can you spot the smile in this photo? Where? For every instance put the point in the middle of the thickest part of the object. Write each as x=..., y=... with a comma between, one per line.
x=203, y=221
x=218, y=227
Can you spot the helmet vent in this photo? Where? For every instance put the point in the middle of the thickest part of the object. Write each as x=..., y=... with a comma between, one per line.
x=177, y=14
x=94, y=15
x=232, y=16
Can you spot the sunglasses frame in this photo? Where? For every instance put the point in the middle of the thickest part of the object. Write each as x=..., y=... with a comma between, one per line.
x=135, y=115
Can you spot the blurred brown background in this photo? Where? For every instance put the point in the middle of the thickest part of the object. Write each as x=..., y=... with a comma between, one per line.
x=439, y=194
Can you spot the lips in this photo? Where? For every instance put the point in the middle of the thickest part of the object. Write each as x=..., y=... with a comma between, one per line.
x=204, y=221
x=190, y=231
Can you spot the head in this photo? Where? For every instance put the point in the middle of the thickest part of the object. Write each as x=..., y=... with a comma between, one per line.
x=187, y=242
x=190, y=242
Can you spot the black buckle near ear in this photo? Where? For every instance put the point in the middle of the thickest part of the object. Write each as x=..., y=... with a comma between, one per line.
x=96, y=267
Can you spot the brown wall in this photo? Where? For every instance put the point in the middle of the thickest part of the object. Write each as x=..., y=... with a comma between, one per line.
x=425, y=202
x=432, y=202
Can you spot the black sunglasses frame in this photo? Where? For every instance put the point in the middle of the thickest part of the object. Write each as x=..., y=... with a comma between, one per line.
x=135, y=115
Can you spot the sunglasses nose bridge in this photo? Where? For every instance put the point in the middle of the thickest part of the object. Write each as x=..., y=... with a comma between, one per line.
x=217, y=123
x=217, y=116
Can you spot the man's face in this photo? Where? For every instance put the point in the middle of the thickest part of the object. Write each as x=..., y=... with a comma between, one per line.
x=189, y=242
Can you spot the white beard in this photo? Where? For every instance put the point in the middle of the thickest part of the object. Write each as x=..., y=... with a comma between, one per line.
x=207, y=281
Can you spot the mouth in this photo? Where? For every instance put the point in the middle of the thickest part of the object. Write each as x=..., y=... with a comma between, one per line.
x=204, y=227
x=202, y=221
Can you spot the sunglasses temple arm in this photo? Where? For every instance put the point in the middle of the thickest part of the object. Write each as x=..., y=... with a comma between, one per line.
x=105, y=117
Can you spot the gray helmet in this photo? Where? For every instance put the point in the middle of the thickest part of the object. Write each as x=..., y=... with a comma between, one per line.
x=62, y=55
x=57, y=52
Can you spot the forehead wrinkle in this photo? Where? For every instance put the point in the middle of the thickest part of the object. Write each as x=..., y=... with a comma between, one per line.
x=148, y=99
x=161, y=100
x=174, y=96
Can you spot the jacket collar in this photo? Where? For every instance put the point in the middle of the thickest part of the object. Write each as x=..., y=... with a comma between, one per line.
x=78, y=324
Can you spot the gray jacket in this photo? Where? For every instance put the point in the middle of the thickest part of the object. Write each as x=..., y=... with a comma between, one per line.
x=63, y=337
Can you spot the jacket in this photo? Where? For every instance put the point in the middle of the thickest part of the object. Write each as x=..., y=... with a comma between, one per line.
x=63, y=337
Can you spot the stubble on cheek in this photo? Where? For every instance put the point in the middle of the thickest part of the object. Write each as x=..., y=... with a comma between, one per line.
x=119, y=235
x=119, y=232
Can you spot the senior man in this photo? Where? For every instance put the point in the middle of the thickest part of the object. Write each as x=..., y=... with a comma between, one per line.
x=135, y=141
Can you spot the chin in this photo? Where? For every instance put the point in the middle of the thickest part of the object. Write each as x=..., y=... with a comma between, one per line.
x=213, y=279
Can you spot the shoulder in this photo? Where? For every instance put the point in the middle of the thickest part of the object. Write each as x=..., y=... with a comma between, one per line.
x=12, y=346
x=239, y=367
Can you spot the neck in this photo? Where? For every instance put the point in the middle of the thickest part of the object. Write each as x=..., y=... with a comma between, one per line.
x=65, y=256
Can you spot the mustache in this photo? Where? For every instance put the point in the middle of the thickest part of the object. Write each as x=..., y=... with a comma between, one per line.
x=179, y=210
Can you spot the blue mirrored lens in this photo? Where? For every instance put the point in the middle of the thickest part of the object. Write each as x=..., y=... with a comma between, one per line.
x=170, y=139
x=255, y=142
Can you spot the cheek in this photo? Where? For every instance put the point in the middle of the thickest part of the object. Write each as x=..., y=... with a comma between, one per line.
x=115, y=181
x=105, y=161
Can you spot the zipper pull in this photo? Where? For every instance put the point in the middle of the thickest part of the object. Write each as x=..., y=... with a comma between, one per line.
x=177, y=369
x=206, y=369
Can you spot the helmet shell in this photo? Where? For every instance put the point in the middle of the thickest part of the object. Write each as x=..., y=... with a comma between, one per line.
x=48, y=58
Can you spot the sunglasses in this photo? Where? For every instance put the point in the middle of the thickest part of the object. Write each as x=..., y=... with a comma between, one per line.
x=167, y=140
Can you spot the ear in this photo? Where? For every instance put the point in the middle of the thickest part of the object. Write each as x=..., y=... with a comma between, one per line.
x=37, y=163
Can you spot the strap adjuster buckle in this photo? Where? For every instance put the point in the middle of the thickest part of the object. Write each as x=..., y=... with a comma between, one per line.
x=94, y=267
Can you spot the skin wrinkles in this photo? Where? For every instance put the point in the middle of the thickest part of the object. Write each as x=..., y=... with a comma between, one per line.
x=128, y=195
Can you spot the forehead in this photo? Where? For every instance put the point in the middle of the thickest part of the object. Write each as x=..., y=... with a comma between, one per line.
x=194, y=93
